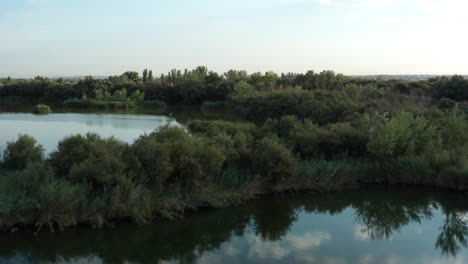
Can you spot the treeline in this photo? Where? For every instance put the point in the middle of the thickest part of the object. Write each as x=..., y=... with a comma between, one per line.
x=94, y=180
x=200, y=85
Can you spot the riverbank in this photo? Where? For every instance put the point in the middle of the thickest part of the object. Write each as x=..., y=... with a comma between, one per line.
x=97, y=181
x=61, y=205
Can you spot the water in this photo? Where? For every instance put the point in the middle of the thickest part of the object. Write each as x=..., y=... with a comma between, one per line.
x=372, y=225
x=50, y=129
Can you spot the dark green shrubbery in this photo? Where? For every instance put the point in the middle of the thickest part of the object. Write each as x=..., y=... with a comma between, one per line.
x=173, y=156
x=23, y=151
x=35, y=196
x=91, y=158
x=275, y=161
x=321, y=106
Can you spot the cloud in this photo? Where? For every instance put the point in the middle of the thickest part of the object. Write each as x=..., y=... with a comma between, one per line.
x=352, y=17
x=378, y=3
x=308, y=240
x=22, y=14
x=38, y=1
x=386, y=19
x=291, y=243
x=325, y=2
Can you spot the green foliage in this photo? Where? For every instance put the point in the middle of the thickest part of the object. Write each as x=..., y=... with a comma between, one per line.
x=232, y=178
x=85, y=103
x=446, y=103
x=321, y=106
x=213, y=128
x=455, y=136
x=23, y=151
x=90, y=159
x=275, y=161
x=402, y=134
x=34, y=196
x=41, y=109
x=242, y=90
x=325, y=176
x=455, y=87
x=172, y=156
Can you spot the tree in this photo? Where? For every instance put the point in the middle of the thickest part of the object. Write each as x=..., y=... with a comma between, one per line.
x=455, y=136
x=402, y=134
x=275, y=161
x=150, y=75
x=22, y=152
x=145, y=75
x=131, y=76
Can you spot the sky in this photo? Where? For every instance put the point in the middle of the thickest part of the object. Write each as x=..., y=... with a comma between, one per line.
x=355, y=37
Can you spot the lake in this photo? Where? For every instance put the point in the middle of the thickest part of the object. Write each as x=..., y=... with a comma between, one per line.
x=375, y=224
x=50, y=129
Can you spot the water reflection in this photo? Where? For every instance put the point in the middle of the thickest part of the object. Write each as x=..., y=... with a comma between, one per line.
x=371, y=225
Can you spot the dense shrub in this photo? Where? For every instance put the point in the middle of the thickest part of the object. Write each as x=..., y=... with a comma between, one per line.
x=234, y=139
x=35, y=196
x=321, y=106
x=332, y=141
x=312, y=141
x=90, y=158
x=172, y=156
x=23, y=151
x=41, y=109
x=213, y=128
x=446, y=103
x=454, y=131
x=275, y=161
x=402, y=134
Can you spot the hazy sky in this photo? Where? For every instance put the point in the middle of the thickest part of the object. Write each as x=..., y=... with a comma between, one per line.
x=107, y=37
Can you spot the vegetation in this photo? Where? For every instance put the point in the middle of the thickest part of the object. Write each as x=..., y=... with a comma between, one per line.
x=321, y=132
x=329, y=97
x=95, y=180
x=41, y=109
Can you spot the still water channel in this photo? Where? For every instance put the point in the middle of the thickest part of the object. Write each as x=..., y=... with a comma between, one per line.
x=50, y=129
x=376, y=224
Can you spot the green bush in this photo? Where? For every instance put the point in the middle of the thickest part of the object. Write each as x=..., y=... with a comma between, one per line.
x=455, y=136
x=325, y=175
x=402, y=134
x=275, y=161
x=213, y=128
x=91, y=158
x=35, y=196
x=172, y=156
x=41, y=109
x=321, y=106
x=23, y=151
x=332, y=141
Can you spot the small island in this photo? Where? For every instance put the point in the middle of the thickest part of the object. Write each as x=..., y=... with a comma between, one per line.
x=41, y=109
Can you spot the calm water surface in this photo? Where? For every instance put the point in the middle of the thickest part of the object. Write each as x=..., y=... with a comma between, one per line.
x=50, y=129
x=372, y=225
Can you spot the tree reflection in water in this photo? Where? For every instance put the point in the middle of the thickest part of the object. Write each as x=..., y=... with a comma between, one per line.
x=381, y=211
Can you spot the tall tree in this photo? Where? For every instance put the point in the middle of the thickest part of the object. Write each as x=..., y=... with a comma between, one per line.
x=150, y=75
x=145, y=75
